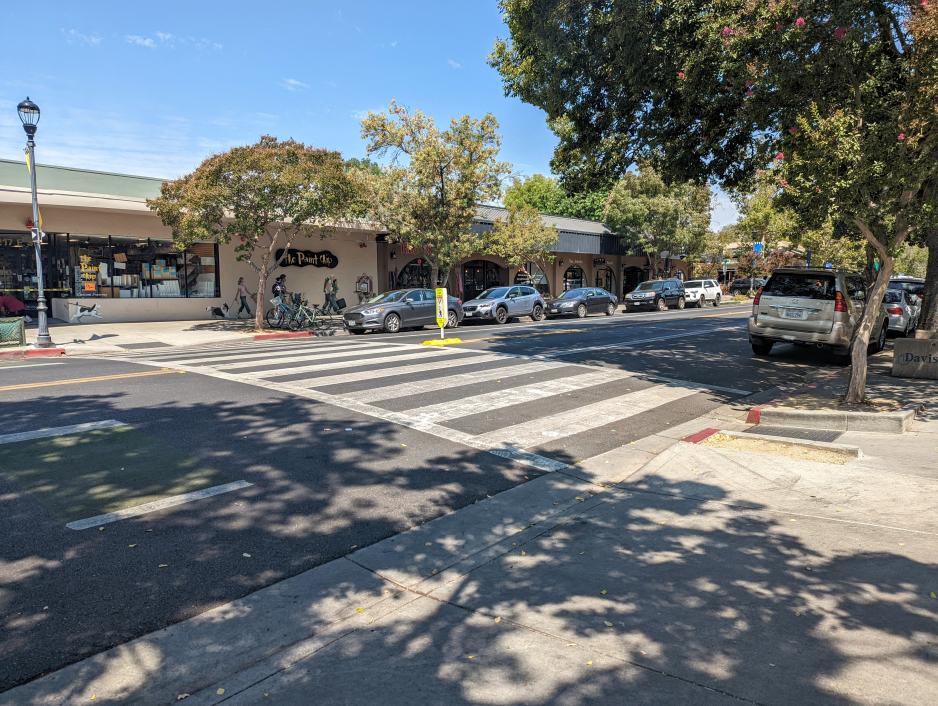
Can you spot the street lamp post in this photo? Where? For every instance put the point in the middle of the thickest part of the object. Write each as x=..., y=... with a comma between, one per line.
x=29, y=115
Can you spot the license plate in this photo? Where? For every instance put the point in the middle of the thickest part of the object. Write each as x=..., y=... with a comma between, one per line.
x=799, y=314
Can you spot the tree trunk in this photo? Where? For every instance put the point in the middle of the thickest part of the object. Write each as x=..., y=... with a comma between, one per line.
x=442, y=277
x=260, y=307
x=856, y=387
x=929, y=320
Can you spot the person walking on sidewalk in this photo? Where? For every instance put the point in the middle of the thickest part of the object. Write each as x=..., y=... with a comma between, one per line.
x=243, y=295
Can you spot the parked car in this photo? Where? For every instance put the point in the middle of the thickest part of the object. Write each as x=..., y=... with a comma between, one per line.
x=812, y=306
x=399, y=309
x=746, y=284
x=582, y=301
x=701, y=292
x=903, y=309
x=656, y=294
x=503, y=303
x=912, y=285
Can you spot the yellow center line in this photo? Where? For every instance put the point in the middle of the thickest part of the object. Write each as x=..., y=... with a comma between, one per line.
x=98, y=378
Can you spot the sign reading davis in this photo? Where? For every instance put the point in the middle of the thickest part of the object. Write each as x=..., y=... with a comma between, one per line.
x=302, y=258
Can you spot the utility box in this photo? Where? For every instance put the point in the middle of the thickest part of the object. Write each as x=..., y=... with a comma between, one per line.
x=915, y=358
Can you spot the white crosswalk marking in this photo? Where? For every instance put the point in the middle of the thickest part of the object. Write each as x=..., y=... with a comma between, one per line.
x=585, y=418
x=509, y=397
x=291, y=370
x=308, y=356
x=441, y=382
x=271, y=353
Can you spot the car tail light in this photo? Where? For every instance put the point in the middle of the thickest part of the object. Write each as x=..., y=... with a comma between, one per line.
x=894, y=310
x=755, y=299
x=840, y=304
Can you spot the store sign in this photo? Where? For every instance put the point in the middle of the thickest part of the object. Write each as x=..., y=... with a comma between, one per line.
x=88, y=271
x=599, y=261
x=303, y=258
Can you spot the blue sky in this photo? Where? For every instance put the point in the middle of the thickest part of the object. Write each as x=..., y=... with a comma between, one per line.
x=153, y=88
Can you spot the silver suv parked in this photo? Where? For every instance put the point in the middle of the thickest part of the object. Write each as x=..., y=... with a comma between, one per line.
x=504, y=303
x=812, y=306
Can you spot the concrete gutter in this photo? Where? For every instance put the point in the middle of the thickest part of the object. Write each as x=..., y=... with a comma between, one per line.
x=834, y=420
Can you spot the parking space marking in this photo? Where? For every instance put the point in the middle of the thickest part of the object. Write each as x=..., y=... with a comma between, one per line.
x=50, y=432
x=97, y=378
x=161, y=504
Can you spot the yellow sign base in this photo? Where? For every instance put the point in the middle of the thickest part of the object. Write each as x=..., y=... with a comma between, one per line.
x=442, y=341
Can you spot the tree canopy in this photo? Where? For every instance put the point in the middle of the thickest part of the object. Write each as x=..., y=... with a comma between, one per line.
x=548, y=196
x=261, y=197
x=428, y=193
x=523, y=238
x=837, y=101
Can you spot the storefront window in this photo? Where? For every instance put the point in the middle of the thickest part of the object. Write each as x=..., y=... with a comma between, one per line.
x=201, y=266
x=605, y=278
x=414, y=274
x=573, y=278
x=534, y=276
x=89, y=262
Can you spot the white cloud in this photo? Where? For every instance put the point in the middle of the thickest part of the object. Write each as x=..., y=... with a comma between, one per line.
x=394, y=44
x=141, y=41
x=359, y=115
x=164, y=36
x=292, y=84
x=453, y=64
x=73, y=36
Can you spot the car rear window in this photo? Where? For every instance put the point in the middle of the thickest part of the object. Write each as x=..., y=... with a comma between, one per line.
x=798, y=284
x=892, y=296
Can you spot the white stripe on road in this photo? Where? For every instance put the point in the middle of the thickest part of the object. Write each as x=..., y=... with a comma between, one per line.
x=442, y=382
x=312, y=355
x=511, y=396
x=339, y=378
x=241, y=354
x=20, y=366
x=585, y=418
x=59, y=431
x=161, y=504
x=292, y=370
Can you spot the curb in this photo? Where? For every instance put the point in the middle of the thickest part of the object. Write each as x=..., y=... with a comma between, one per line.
x=283, y=334
x=32, y=353
x=842, y=449
x=883, y=422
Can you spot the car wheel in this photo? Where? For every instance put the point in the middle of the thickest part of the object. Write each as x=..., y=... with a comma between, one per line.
x=581, y=311
x=701, y=302
x=681, y=303
x=537, y=313
x=392, y=323
x=716, y=300
x=501, y=315
x=452, y=320
x=610, y=309
x=662, y=304
x=762, y=347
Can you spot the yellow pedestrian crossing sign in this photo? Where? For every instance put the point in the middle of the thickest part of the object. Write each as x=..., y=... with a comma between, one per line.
x=442, y=308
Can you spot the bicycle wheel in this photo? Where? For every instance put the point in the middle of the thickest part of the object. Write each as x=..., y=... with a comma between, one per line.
x=299, y=320
x=274, y=317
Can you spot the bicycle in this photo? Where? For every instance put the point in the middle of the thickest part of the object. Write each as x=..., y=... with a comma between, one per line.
x=282, y=313
x=306, y=316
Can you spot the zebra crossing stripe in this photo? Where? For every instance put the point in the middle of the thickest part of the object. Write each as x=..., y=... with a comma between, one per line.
x=308, y=356
x=442, y=382
x=242, y=354
x=292, y=370
x=510, y=397
x=339, y=378
x=591, y=416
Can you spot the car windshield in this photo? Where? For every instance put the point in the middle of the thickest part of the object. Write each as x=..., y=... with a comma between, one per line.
x=693, y=284
x=388, y=297
x=493, y=293
x=573, y=294
x=649, y=286
x=800, y=284
x=892, y=297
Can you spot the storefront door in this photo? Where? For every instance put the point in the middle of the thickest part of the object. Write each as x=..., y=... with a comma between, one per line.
x=606, y=279
x=479, y=275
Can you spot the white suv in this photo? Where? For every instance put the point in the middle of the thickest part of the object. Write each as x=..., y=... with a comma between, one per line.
x=700, y=292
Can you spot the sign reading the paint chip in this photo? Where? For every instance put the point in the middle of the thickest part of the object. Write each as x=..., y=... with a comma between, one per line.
x=304, y=258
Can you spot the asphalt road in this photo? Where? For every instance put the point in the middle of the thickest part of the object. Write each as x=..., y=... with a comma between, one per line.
x=345, y=441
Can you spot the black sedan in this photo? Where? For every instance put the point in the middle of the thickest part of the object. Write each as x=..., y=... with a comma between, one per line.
x=399, y=309
x=583, y=301
x=746, y=284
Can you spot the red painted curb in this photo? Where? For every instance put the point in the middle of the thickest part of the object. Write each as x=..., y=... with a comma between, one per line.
x=32, y=353
x=755, y=415
x=285, y=334
x=700, y=435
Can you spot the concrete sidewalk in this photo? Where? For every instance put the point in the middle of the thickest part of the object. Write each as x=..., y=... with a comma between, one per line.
x=671, y=573
x=98, y=337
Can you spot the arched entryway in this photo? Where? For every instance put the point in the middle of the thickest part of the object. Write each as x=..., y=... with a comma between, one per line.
x=631, y=278
x=534, y=276
x=604, y=277
x=414, y=274
x=573, y=278
x=479, y=275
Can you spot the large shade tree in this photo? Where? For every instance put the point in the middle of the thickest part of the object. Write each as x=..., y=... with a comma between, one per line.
x=836, y=98
x=427, y=193
x=261, y=197
x=548, y=196
x=522, y=238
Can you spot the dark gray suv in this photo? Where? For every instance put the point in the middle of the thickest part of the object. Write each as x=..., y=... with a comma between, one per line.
x=657, y=294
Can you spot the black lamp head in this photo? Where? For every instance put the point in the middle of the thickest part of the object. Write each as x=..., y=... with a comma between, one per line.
x=29, y=115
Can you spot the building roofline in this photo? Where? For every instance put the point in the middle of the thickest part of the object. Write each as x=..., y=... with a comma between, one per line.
x=81, y=170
